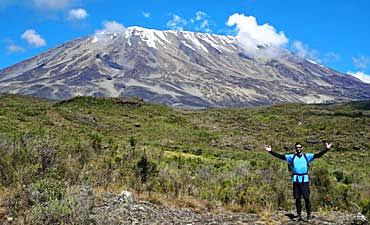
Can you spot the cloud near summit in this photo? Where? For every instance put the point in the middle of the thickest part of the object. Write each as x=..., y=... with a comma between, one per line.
x=113, y=26
x=33, y=38
x=257, y=39
x=103, y=36
x=77, y=14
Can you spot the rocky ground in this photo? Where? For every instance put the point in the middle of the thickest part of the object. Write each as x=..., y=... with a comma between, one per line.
x=122, y=209
x=117, y=211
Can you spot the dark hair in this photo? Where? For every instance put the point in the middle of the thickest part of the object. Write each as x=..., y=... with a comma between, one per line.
x=298, y=143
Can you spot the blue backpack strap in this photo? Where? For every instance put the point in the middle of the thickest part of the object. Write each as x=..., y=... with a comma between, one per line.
x=292, y=164
x=308, y=164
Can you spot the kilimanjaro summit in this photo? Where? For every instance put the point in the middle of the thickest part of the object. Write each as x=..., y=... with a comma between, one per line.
x=177, y=68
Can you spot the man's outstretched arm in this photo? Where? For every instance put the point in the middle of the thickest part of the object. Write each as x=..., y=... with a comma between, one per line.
x=318, y=155
x=277, y=155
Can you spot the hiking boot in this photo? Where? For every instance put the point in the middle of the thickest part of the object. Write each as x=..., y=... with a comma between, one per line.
x=298, y=218
x=309, y=218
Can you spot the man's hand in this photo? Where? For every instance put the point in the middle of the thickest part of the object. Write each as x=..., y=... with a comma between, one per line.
x=268, y=148
x=328, y=145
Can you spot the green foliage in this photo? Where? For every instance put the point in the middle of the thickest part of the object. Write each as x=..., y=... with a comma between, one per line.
x=365, y=206
x=96, y=139
x=54, y=212
x=50, y=203
x=341, y=177
x=214, y=155
x=133, y=142
x=145, y=169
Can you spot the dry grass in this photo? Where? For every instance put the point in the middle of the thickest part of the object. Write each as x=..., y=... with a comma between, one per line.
x=3, y=194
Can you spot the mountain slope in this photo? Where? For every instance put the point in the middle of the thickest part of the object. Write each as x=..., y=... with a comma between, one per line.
x=182, y=69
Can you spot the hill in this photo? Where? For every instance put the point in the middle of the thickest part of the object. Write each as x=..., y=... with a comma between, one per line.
x=206, y=160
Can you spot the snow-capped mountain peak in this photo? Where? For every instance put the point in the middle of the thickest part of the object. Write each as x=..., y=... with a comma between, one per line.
x=179, y=68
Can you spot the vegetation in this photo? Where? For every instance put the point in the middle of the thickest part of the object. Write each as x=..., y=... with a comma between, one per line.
x=203, y=158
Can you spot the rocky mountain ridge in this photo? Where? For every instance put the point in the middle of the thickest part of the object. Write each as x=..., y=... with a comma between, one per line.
x=178, y=68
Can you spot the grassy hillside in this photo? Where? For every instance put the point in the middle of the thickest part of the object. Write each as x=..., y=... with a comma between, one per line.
x=202, y=159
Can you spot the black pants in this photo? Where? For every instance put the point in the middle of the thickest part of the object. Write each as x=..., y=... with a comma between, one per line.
x=302, y=189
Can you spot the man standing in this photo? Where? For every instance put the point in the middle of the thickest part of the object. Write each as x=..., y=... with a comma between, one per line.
x=299, y=164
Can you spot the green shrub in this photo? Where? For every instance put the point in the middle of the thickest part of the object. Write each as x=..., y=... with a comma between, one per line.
x=97, y=140
x=52, y=212
x=145, y=169
x=50, y=203
x=365, y=206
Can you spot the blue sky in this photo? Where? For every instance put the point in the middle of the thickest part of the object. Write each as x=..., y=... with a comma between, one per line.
x=334, y=33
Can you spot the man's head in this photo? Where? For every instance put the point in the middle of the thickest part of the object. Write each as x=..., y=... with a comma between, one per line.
x=298, y=147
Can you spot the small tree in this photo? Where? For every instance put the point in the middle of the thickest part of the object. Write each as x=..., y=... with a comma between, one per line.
x=144, y=170
x=133, y=143
x=97, y=140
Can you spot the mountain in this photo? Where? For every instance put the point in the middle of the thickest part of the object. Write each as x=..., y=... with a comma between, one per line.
x=178, y=68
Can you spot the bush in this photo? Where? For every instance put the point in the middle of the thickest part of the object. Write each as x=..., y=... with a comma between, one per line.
x=339, y=175
x=53, y=212
x=97, y=140
x=365, y=205
x=50, y=203
x=145, y=169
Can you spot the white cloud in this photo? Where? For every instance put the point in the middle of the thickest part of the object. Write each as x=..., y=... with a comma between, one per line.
x=176, y=23
x=202, y=21
x=52, y=4
x=13, y=48
x=361, y=75
x=77, y=14
x=200, y=15
x=361, y=62
x=33, y=38
x=303, y=51
x=146, y=14
x=113, y=27
x=104, y=36
x=205, y=25
x=257, y=39
x=331, y=57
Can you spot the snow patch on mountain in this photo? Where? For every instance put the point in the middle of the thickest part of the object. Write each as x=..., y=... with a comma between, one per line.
x=94, y=39
x=194, y=39
x=187, y=45
x=150, y=36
